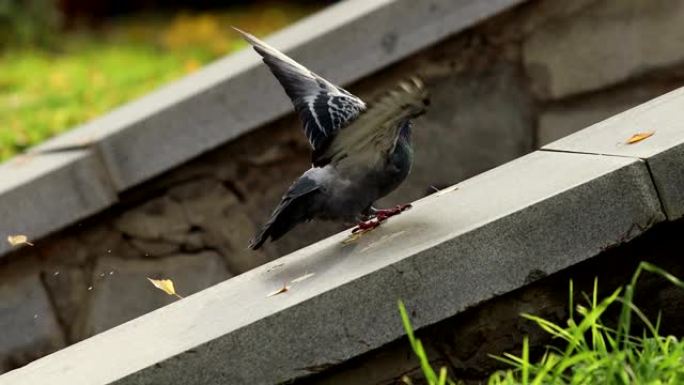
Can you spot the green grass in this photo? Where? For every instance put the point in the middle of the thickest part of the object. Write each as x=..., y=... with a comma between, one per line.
x=46, y=91
x=593, y=352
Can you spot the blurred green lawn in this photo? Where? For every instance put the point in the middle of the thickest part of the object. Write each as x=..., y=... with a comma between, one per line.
x=44, y=92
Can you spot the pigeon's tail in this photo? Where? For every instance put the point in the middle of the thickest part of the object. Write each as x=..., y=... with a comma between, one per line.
x=263, y=235
x=259, y=239
x=287, y=215
x=294, y=208
x=279, y=224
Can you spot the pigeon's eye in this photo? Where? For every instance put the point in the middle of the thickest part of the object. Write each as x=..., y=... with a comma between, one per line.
x=426, y=102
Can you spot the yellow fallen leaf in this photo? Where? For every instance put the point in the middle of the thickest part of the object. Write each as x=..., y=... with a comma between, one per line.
x=165, y=285
x=16, y=240
x=639, y=136
x=282, y=290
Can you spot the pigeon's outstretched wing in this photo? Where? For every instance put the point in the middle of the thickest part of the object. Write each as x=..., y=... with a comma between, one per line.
x=323, y=107
x=368, y=139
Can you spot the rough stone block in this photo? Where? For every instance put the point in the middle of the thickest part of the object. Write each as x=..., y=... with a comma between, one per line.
x=668, y=172
x=154, y=219
x=604, y=44
x=229, y=233
x=40, y=194
x=29, y=326
x=188, y=241
x=203, y=199
x=664, y=151
x=120, y=290
x=150, y=248
x=201, y=111
x=222, y=222
x=540, y=213
x=68, y=288
x=65, y=250
x=103, y=239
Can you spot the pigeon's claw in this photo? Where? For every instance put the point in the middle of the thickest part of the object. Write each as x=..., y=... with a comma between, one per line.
x=379, y=216
x=365, y=226
x=383, y=214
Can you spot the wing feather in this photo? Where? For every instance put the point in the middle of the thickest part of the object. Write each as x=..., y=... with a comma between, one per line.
x=323, y=107
x=374, y=132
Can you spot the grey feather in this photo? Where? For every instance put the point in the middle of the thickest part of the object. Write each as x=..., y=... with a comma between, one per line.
x=323, y=107
x=373, y=135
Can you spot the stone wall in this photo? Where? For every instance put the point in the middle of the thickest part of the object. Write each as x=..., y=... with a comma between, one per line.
x=499, y=90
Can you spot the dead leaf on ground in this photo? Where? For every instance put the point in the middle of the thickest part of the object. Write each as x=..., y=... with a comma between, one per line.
x=282, y=290
x=16, y=240
x=165, y=285
x=639, y=136
x=356, y=235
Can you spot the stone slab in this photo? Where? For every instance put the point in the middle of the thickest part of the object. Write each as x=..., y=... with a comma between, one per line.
x=490, y=234
x=664, y=151
x=120, y=290
x=604, y=44
x=563, y=119
x=42, y=193
x=27, y=320
x=234, y=95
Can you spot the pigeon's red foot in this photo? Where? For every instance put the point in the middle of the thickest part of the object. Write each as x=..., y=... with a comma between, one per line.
x=380, y=216
x=383, y=214
x=366, y=225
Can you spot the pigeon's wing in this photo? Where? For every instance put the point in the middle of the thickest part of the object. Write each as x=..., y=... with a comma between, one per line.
x=373, y=135
x=323, y=107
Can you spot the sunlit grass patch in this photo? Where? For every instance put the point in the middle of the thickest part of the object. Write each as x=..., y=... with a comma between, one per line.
x=592, y=353
x=46, y=91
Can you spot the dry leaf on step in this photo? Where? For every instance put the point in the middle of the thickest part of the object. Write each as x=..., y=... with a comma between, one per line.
x=283, y=289
x=16, y=240
x=639, y=136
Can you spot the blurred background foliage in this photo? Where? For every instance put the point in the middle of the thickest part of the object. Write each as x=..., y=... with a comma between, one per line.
x=65, y=62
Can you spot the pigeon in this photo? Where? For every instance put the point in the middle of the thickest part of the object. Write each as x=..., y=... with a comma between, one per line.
x=360, y=152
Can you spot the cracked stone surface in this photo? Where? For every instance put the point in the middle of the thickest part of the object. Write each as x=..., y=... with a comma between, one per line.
x=154, y=219
x=604, y=44
x=119, y=289
x=27, y=320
